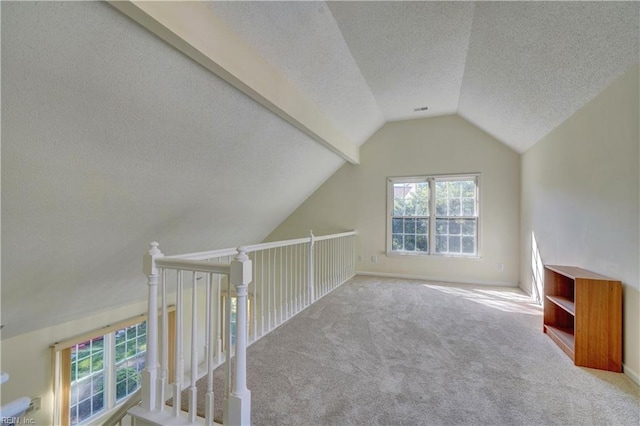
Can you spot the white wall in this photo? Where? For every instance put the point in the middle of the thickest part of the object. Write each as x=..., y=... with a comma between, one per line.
x=355, y=197
x=580, y=195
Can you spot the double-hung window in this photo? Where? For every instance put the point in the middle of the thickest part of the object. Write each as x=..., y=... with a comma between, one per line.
x=433, y=215
x=98, y=370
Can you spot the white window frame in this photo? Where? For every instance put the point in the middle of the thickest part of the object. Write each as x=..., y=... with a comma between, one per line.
x=431, y=179
x=62, y=386
x=110, y=368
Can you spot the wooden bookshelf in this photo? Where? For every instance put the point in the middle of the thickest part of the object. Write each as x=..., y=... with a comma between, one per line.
x=583, y=316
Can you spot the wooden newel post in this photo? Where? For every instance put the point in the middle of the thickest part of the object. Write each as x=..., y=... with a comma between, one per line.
x=238, y=405
x=150, y=372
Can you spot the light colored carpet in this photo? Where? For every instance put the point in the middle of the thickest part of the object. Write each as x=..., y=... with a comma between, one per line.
x=398, y=352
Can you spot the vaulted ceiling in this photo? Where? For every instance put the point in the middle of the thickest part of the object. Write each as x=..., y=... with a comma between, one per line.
x=514, y=69
x=112, y=138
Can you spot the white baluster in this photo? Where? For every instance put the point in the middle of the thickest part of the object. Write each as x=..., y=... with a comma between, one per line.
x=269, y=286
x=164, y=344
x=238, y=405
x=281, y=293
x=218, y=321
x=149, y=374
x=287, y=295
x=254, y=304
x=193, y=390
x=209, y=350
x=179, y=358
x=262, y=316
x=228, y=350
x=312, y=296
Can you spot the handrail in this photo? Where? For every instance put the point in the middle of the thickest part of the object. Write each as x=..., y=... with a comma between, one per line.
x=212, y=254
x=193, y=265
x=333, y=236
x=202, y=255
x=119, y=414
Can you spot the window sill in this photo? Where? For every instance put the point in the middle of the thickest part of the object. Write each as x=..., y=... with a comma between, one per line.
x=432, y=256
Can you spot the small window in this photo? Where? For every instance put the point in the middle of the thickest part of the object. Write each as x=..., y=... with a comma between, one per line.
x=105, y=370
x=433, y=215
x=131, y=349
x=87, y=380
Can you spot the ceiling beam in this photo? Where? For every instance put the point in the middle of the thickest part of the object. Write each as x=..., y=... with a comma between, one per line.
x=193, y=29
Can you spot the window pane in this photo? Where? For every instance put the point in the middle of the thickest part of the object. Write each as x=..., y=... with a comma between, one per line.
x=411, y=199
x=120, y=352
x=422, y=243
x=84, y=368
x=121, y=336
x=454, y=189
x=97, y=362
x=74, y=394
x=422, y=198
x=409, y=242
x=454, y=227
x=422, y=226
x=409, y=226
x=84, y=410
x=397, y=242
x=97, y=344
x=84, y=389
x=397, y=226
x=97, y=402
x=454, y=244
x=442, y=226
x=456, y=198
x=98, y=383
x=74, y=414
x=441, y=207
x=127, y=380
x=441, y=244
x=131, y=333
x=468, y=207
x=468, y=245
x=468, y=188
x=399, y=194
x=454, y=207
x=469, y=227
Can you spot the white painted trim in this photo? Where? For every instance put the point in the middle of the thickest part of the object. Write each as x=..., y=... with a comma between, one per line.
x=633, y=375
x=438, y=279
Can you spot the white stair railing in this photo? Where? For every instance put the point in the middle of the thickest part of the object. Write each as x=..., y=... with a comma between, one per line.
x=270, y=282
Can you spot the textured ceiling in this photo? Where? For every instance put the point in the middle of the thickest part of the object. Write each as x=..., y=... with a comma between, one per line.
x=304, y=42
x=515, y=69
x=412, y=54
x=111, y=138
x=530, y=66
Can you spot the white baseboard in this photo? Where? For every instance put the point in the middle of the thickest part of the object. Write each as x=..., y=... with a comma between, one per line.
x=439, y=279
x=633, y=375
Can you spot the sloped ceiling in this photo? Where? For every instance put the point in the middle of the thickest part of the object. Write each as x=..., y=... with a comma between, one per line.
x=515, y=69
x=111, y=138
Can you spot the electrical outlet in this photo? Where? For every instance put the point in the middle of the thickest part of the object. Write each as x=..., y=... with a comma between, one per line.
x=360, y=259
x=34, y=405
x=374, y=259
x=501, y=267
